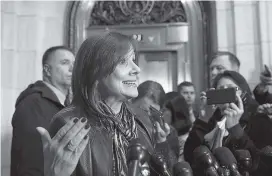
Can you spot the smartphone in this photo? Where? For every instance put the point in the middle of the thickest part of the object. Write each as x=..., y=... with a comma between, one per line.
x=221, y=96
x=156, y=116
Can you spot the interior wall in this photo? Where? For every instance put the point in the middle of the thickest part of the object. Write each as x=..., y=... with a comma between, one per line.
x=28, y=29
x=244, y=29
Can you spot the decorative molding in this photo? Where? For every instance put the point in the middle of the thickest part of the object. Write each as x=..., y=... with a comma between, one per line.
x=137, y=12
x=201, y=31
x=72, y=8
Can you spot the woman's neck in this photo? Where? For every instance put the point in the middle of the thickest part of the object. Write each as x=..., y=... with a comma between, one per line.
x=114, y=104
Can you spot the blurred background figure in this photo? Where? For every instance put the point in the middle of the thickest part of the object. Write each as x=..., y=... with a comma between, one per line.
x=178, y=110
x=221, y=61
x=260, y=125
x=187, y=90
x=152, y=94
x=150, y=99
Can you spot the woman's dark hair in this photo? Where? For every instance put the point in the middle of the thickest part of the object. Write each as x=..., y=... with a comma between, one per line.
x=180, y=114
x=152, y=90
x=236, y=77
x=96, y=59
x=169, y=96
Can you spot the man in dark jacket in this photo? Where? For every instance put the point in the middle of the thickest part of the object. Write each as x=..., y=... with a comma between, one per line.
x=35, y=106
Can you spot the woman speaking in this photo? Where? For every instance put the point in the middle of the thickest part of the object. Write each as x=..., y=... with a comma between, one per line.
x=91, y=136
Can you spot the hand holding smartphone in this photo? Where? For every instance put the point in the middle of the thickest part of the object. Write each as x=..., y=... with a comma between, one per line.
x=157, y=116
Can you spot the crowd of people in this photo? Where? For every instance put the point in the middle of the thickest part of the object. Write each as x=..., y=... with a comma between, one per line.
x=88, y=116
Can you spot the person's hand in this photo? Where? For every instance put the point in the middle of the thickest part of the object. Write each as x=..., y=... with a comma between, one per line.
x=267, y=71
x=160, y=134
x=62, y=152
x=233, y=113
x=206, y=111
x=191, y=115
x=265, y=108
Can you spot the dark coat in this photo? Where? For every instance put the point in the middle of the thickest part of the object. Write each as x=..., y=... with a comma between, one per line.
x=35, y=107
x=97, y=158
x=260, y=130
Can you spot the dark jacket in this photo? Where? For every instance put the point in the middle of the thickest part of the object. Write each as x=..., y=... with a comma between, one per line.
x=35, y=107
x=97, y=158
x=180, y=115
x=237, y=139
x=260, y=130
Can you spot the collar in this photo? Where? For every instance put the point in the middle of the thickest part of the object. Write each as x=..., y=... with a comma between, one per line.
x=61, y=96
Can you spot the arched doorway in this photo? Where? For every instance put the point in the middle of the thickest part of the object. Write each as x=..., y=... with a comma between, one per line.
x=196, y=49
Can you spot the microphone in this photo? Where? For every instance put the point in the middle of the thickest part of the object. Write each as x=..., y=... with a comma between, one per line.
x=266, y=154
x=265, y=164
x=227, y=160
x=159, y=165
x=182, y=169
x=244, y=161
x=205, y=162
x=136, y=155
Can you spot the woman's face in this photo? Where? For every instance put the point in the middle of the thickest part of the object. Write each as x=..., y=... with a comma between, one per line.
x=123, y=81
x=224, y=83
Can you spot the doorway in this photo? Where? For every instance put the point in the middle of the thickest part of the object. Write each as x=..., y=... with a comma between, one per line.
x=89, y=17
x=159, y=66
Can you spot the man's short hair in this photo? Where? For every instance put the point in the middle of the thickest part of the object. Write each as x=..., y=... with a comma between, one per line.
x=185, y=84
x=232, y=58
x=51, y=50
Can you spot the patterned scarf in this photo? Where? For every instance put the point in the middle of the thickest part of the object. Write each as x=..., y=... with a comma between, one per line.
x=123, y=128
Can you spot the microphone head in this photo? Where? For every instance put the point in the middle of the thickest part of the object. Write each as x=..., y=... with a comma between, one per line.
x=225, y=157
x=211, y=171
x=244, y=159
x=267, y=151
x=203, y=157
x=242, y=155
x=266, y=155
x=134, y=142
x=182, y=169
x=137, y=151
x=199, y=151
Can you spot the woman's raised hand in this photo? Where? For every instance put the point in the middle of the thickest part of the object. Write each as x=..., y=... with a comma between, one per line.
x=234, y=112
x=206, y=111
x=160, y=134
x=62, y=152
